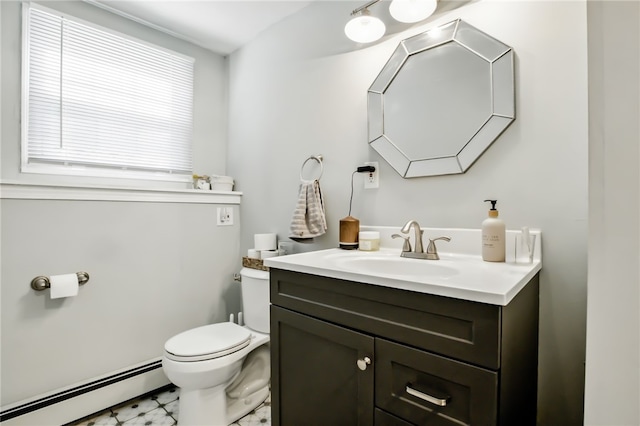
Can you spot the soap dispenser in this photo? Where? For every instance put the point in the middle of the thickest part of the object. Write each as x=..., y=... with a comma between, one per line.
x=493, y=235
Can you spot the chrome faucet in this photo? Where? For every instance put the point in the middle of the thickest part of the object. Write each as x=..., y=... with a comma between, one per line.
x=418, y=251
x=417, y=232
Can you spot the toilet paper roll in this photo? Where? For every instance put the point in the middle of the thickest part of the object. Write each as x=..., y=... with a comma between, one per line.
x=265, y=254
x=264, y=242
x=253, y=254
x=63, y=285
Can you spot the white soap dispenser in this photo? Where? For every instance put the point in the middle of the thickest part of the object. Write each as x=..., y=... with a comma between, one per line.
x=493, y=235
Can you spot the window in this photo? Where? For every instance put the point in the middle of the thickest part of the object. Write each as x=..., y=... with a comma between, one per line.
x=97, y=103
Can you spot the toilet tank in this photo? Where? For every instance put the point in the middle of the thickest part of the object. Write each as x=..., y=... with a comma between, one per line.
x=255, y=299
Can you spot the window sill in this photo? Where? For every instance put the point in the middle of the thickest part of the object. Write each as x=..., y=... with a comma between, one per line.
x=29, y=191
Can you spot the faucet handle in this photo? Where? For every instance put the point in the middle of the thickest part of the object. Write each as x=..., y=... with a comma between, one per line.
x=432, y=251
x=407, y=245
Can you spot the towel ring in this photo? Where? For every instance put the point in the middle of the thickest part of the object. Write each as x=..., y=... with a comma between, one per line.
x=317, y=158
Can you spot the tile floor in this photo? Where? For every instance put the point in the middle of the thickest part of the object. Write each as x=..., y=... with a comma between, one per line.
x=161, y=409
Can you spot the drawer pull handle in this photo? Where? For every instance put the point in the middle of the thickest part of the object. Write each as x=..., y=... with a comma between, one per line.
x=441, y=402
x=362, y=363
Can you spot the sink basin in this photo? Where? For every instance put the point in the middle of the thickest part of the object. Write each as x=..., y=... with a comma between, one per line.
x=393, y=266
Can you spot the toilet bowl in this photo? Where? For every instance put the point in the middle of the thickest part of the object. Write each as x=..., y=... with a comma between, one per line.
x=223, y=370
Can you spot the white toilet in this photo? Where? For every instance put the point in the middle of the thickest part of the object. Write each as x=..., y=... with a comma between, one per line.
x=223, y=370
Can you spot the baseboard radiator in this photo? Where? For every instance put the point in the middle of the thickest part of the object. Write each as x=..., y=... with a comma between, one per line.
x=82, y=399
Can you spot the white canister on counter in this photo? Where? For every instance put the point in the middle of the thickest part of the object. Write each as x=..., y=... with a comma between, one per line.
x=369, y=241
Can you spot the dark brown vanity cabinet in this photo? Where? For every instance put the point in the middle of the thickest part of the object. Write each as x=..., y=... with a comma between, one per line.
x=347, y=353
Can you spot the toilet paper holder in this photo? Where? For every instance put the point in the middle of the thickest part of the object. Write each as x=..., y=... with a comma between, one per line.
x=42, y=283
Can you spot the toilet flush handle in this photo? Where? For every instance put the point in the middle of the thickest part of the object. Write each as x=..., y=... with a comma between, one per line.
x=362, y=363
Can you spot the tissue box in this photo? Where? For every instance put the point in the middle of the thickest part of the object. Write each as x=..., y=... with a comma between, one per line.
x=252, y=263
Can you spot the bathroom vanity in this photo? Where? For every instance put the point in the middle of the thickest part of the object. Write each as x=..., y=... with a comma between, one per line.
x=361, y=348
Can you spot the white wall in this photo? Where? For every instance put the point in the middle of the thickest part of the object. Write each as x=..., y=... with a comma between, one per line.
x=612, y=388
x=156, y=268
x=300, y=89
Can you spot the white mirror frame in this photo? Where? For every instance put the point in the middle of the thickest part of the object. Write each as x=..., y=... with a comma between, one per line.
x=499, y=58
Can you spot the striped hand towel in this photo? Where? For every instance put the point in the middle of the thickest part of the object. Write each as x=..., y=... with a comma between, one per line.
x=308, y=219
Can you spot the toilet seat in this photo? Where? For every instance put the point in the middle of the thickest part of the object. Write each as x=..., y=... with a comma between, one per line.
x=207, y=342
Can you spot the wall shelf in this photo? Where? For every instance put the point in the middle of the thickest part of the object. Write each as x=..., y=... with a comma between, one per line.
x=28, y=191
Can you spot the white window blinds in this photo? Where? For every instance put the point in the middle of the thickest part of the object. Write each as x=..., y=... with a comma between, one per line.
x=99, y=100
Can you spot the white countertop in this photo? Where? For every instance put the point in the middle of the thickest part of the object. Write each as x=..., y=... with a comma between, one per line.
x=468, y=277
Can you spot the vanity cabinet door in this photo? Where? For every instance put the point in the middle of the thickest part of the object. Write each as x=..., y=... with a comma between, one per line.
x=319, y=371
x=427, y=389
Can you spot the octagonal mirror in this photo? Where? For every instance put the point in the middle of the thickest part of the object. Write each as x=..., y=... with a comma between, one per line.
x=441, y=100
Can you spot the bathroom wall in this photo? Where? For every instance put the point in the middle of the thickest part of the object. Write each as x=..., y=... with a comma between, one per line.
x=156, y=268
x=612, y=380
x=300, y=89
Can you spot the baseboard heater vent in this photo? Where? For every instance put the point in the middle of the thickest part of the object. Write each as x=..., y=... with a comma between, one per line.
x=79, y=390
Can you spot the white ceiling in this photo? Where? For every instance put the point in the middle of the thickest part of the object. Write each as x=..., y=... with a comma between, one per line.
x=218, y=25
x=223, y=26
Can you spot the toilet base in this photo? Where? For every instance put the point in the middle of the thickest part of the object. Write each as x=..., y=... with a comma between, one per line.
x=203, y=407
x=239, y=408
x=212, y=407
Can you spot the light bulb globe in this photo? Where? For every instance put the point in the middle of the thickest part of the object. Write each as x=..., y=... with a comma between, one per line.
x=365, y=29
x=410, y=11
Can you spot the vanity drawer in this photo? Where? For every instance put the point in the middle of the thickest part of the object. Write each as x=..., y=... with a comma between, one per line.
x=382, y=418
x=464, y=330
x=426, y=389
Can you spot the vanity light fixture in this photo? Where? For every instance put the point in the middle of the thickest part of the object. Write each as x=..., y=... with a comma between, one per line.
x=364, y=28
x=411, y=11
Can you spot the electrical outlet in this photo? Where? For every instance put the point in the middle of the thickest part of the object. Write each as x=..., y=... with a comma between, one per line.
x=224, y=216
x=372, y=179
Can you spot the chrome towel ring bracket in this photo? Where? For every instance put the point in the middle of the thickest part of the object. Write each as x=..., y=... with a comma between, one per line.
x=317, y=158
x=42, y=283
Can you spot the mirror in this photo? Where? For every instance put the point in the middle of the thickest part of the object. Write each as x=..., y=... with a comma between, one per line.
x=441, y=100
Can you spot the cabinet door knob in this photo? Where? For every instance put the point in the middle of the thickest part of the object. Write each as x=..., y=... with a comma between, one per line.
x=362, y=363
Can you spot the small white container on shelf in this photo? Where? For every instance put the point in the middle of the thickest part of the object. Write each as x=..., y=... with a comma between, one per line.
x=369, y=241
x=221, y=183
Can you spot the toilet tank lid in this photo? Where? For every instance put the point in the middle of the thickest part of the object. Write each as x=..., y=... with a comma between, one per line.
x=208, y=339
x=254, y=273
